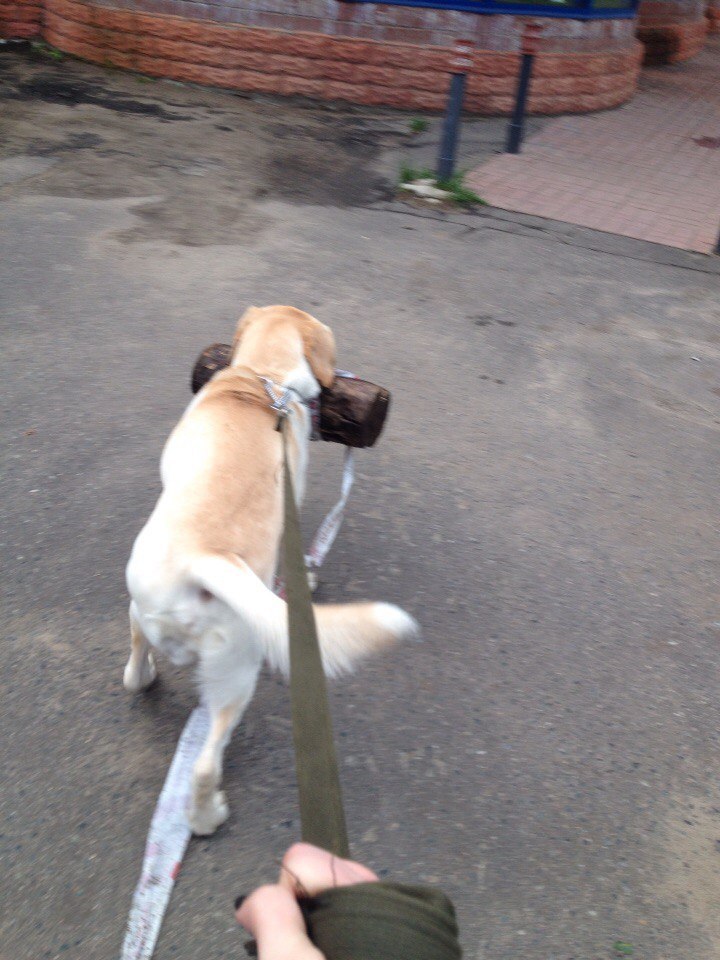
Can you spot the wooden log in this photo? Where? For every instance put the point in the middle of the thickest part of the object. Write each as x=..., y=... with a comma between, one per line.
x=352, y=411
x=215, y=357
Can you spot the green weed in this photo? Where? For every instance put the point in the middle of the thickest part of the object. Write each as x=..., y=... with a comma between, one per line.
x=455, y=185
x=408, y=174
x=419, y=125
x=47, y=51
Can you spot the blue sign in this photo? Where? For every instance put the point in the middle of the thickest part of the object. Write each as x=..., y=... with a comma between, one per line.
x=570, y=9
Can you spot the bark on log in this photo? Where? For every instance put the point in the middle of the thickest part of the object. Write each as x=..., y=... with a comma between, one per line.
x=213, y=358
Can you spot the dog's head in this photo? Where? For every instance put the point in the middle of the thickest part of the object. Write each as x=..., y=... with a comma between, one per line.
x=277, y=339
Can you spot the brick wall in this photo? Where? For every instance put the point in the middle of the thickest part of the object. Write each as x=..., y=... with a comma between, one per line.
x=672, y=30
x=21, y=19
x=370, y=54
x=712, y=12
x=396, y=24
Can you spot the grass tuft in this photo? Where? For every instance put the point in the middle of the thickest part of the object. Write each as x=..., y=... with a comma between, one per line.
x=408, y=174
x=455, y=185
x=418, y=125
x=39, y=46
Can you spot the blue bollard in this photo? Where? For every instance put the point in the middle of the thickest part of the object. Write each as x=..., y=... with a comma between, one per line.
x=530, y=41
x=451, y=127
x=451, y=124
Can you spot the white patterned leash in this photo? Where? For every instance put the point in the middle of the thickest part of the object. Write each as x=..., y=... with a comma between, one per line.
x=169, y=830
x=166, y=843
x=330, y=527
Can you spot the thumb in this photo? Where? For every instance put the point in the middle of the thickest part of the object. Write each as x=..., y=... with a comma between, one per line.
x=272, y=916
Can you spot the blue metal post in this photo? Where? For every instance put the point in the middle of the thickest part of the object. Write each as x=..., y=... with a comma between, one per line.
x=530, y=42
x=515, y=130
x=451, y=124
x=451, y=127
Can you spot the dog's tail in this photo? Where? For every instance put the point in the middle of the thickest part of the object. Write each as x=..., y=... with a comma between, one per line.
x=347, y=632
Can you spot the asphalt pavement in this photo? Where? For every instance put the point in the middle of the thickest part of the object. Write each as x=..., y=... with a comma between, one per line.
x=543, y=501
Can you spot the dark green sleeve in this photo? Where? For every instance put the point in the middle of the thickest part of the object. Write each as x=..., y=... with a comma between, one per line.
x=383, y=921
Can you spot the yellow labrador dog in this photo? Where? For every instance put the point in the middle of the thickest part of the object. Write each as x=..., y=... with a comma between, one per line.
x=201, y=570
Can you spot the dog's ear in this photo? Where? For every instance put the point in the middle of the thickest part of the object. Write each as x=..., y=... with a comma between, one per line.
x=250, y=315
x=319, y=350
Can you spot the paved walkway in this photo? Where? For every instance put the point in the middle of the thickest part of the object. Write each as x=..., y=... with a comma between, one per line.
x=649, y=170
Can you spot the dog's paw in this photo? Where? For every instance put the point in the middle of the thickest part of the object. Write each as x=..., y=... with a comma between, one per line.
x=139, y=676
x=205, y=820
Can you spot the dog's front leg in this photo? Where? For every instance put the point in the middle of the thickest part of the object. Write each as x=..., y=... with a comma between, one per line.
x=208, y=804
x=140, y=670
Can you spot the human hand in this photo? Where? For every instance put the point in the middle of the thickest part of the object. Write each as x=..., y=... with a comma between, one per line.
x=271, y=913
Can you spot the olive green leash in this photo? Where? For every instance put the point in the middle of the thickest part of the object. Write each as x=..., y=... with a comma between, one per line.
x=320, y=795
x=367, y=921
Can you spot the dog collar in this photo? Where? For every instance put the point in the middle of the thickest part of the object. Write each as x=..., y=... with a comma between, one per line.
x=280, y=399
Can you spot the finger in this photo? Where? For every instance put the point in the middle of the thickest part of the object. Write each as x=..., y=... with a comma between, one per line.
x=271, y=915
x=308, y=870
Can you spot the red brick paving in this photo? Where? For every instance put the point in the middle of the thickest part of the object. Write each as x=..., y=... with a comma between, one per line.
x=634, y=171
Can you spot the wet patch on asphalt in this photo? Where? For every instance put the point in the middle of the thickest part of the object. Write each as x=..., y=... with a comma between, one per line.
x=75, y=141
x=50, y=88
x=209, y=176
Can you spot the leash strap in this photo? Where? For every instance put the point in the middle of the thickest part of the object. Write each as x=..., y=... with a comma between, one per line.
x=168, y=837
x=320, y=796
x=329, y=528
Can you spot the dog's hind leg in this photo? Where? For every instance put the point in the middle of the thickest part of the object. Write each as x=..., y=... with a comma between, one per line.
x=140, y=670
x=208, y=804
